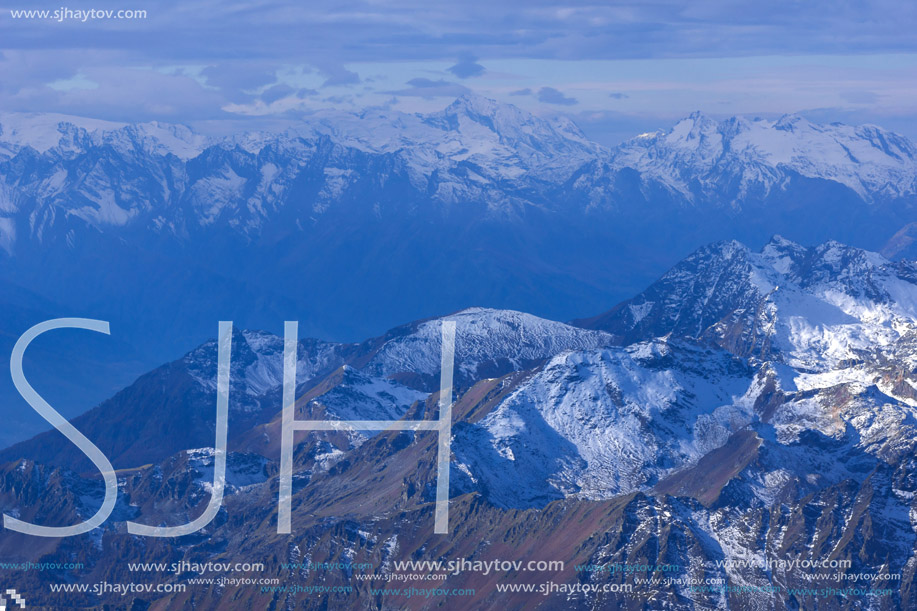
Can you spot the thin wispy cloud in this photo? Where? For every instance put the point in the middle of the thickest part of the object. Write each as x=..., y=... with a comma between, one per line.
x=428, y=88
x=467, y=67
x=201, y=58
x=549, y=95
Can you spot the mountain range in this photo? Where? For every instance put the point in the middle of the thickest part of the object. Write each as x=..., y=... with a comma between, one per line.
x=352, y=223
x=749, y=405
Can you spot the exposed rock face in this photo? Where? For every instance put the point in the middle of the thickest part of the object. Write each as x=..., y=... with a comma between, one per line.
x=746, y=410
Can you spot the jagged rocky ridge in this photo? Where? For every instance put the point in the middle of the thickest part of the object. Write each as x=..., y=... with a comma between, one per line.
x=747, y=405
x=260, y=227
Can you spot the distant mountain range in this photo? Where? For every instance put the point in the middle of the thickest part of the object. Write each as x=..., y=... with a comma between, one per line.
x=746, y=405
x=351, y=223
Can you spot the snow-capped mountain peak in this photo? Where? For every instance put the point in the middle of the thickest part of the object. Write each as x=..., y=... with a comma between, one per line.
x=163, y=138
x=473, y=105
x=44, y=131
x=694, y=127
x=811, y=307
x=759, y=151
x=489, y=343
x=510, y=123
x=476, y=150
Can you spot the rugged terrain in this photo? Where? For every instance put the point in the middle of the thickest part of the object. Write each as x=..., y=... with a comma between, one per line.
x=353, y=223
x=746, y=408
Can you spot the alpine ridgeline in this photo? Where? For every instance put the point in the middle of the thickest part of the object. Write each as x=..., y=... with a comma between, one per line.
x=352, y=223
x=747, y=407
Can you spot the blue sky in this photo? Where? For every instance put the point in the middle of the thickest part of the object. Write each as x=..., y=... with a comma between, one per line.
x=617, y=68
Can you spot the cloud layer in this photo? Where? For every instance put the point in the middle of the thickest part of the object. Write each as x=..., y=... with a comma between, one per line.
x=203, y=60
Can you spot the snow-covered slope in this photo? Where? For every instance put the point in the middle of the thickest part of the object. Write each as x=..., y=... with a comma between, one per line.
x=761, y=405
x=597, y=424
x=256, y=363
x=45, y=131
x=489, y=343
x=787, y=342
x=479, y=203
x=812, y=308
x=473, y=150
x=473, y=145
x=699, y=151
x=359, y=396
x=500, y=141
